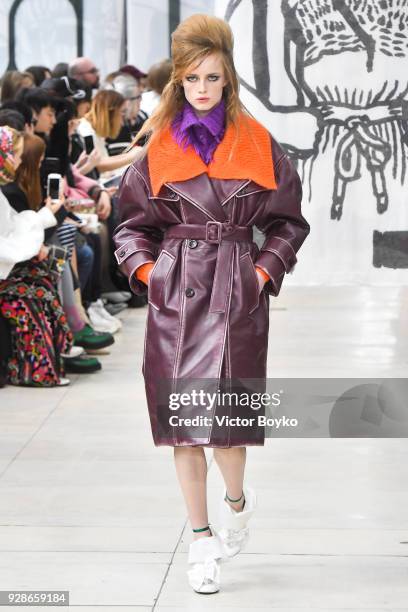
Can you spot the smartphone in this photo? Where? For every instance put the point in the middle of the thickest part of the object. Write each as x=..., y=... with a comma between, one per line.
x=112, y=182
x=54, y=186
x=89, y=144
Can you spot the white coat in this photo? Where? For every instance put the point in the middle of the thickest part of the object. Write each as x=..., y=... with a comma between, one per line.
x=21, y=234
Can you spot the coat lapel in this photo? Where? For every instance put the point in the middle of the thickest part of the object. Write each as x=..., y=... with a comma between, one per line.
x=209, y=195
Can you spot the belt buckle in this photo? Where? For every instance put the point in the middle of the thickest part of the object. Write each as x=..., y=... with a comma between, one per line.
x=208, y=227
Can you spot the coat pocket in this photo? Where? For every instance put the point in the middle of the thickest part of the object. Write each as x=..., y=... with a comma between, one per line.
x=158, y=278
x=250, y=285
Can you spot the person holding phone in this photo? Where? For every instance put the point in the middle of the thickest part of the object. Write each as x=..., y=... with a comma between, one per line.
x=24, y=193
x=126, y=85
x=29, y=302
x=76, y=186
x=104, y=120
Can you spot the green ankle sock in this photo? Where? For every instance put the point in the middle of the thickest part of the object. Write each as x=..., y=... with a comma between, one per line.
x=235, y=500
x=202, y=529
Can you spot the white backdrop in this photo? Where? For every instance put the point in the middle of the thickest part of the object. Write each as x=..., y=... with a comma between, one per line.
x=148, y=28
x=46, y=31
x=353, y=62
x=341, y=76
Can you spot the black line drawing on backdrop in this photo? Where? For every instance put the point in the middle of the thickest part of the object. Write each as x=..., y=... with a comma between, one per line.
x=361, y=123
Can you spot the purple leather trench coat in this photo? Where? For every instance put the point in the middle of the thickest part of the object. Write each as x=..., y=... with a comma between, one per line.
x=206, y=317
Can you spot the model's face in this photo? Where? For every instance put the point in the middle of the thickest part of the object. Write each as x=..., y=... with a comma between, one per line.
x=203, y=84
x=45, y=120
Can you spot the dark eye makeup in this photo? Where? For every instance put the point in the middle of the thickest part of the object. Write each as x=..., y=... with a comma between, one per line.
x=193, y=77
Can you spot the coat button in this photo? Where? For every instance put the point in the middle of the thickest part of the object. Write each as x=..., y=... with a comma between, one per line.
x=190, y=292
x=192, y=244
x=122, y=253
x=173, y=195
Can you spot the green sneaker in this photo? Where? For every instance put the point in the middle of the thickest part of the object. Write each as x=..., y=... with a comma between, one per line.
x=88, y=338
x=82, y=365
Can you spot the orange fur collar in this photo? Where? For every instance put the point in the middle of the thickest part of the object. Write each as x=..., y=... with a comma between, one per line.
x=251, y=158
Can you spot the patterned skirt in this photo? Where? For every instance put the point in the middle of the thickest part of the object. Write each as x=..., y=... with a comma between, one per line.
x=39, y=330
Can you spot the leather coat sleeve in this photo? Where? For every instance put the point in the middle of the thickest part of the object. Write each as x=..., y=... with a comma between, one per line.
x=138, y=236
x=282, y=222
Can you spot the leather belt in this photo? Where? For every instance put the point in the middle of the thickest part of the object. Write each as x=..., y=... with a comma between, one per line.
x=224, y=235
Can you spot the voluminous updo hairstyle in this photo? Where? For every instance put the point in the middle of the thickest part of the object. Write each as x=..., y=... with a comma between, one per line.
x=194, y=39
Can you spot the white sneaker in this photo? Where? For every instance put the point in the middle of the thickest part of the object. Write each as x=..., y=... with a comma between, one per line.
x=204, y=557
x=100, y=307
x=75, y=351
x=63, y=382
x=101, y=323
x=234, y=532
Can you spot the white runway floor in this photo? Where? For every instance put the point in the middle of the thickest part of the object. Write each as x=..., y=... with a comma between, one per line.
x=88, y=504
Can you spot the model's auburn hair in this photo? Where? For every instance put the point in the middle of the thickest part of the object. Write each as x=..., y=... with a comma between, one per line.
x=104, y=115
x=193, y=40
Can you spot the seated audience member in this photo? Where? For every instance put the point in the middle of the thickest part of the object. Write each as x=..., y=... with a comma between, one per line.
x=110, y=77
x=29, y=303
x=77, y=144
x=138, y=75
x=64, y=87
x=24, y=110
x=59, y=146
x=83, y=69
x=128, y=87
x=24, y=194
x=81, y=94
x=41, y=105
x=14, y=81
x=12, y=118
x=39, y=74
x=83, y=104
x=157, y=79
x=78, y=187
x=60, y=70
x=104, y=120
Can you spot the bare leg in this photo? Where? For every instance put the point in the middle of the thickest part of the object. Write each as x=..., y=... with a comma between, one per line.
x=191, y=468
x=231, y=462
